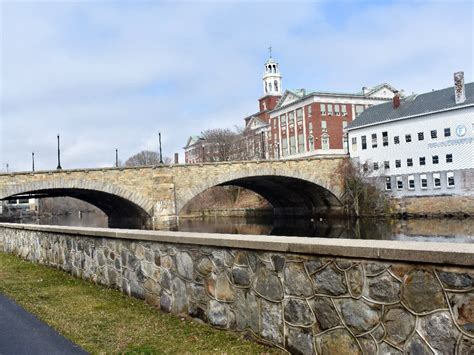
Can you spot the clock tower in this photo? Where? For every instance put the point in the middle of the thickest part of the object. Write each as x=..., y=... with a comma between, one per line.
x=271, y=84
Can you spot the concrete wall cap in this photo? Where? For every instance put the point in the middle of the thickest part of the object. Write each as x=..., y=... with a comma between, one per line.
x=421, y=252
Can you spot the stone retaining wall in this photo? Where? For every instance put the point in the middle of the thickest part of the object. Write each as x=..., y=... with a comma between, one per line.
x=435, y=206
x=303, y=302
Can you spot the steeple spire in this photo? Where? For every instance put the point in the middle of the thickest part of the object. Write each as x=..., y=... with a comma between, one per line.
x=271, y=77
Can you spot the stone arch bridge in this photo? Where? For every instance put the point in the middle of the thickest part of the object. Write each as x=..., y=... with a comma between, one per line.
x=134, y=197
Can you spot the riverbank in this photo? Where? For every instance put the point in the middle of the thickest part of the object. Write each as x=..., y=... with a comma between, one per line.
x=102, y=320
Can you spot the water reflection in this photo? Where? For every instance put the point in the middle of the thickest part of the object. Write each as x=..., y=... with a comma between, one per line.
x=79, y=220
x=437, y=230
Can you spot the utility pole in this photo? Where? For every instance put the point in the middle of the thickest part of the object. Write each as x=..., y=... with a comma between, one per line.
x=59, y=156
x=161, y=156
x=33, y=161
x=116, y=158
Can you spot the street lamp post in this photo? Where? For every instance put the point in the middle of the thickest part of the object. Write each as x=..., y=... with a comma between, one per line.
x=116, y=158
x=161, y=156
x=33, y=161
x=59, y=156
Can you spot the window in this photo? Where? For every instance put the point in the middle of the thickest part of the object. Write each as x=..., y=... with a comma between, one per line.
x=408, y=138
x=374, y=140
x=310, y=110
x=385, y=138
x=291, y=118
x=337, y=111
x=434, y=134
x=323, y=109
x=421, y=136
x=344, y=124
x=324, y=125
x=311, y=143
x=411, y=182
x=310, y=127
x=399, y=183
x=449, y=158
x=301, y=143
x=284, y=147
x=398, y=163
x=325, y=142
x=450, y=179
x=283, y=120
x=329, y=109
x=345, y=146
x=359, y=109
x=388, y=183
x=376, y=166
x=447, y=132
x=435, y=159
x=364, y=142
x=423, y=182
x=396, y=140
x=436, y=180
x=354, y=144
x=299, y=115
x=275, y=84
x=292, y=145
x=409, y=162
x=422, y=161
x=344, y=110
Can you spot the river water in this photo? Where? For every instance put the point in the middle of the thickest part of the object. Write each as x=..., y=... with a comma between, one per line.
x=433, y=230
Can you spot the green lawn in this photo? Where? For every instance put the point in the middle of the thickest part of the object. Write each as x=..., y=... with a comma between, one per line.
x=104, y=320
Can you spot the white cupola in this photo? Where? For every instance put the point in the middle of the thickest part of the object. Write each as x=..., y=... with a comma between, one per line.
x=271, y=77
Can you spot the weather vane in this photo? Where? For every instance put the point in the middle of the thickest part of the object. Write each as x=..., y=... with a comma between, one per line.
x=270, y=50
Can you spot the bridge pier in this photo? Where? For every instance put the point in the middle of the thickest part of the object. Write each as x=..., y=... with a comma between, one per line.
x=164, y=215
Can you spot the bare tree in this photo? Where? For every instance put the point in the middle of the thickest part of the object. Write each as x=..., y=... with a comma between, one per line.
x=220, y=142
x=361, y=194
x=146, y=157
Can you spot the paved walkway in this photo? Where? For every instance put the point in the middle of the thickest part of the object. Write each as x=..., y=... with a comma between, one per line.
x=23, y=333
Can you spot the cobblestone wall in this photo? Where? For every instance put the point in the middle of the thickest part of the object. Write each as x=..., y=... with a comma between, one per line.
x=303, y=303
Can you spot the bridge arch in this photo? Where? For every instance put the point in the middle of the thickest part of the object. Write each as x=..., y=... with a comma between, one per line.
x=290, y=193
x=124, y=208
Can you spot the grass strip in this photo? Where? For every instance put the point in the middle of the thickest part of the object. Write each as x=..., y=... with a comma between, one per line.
x=101, y=319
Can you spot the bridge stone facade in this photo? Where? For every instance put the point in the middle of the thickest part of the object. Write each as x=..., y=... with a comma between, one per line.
x=154, y=196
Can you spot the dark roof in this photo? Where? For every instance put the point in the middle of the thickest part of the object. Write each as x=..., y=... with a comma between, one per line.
x=412, y=106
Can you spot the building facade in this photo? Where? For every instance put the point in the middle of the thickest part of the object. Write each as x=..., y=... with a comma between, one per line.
x=306, y=123
x=421, y=145
x=300, y=123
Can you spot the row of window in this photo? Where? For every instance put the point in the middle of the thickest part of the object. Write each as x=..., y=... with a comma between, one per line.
x=422, y=161
x=326, y=110
x=335, y=109
x=423, y=181
x=396, y=139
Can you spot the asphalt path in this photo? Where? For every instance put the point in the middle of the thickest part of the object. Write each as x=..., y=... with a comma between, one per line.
x=23, y=333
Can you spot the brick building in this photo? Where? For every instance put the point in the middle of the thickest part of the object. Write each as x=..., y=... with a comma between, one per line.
x=298, y=123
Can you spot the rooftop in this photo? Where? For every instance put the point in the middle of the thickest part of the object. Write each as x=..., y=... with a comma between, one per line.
x=413, y=105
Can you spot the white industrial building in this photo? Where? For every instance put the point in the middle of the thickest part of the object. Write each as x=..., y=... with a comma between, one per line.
x=421, y=145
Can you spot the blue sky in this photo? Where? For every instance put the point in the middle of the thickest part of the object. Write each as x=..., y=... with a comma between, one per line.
x=111, y=74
